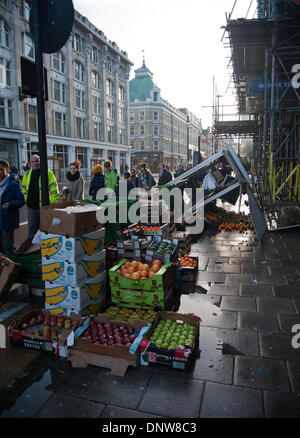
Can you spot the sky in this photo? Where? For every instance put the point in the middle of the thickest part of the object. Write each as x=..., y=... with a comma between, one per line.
x=183, y=42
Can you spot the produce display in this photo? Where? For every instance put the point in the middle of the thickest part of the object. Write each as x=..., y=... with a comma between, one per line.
x=47, y=327
x=139, y=271
x=128, y=314
x=187, y=262
x=109, y=334
x=169, y=334
x=163, y=247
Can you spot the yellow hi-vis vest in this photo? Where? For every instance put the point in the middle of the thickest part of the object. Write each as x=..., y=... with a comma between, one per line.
x=53, y=187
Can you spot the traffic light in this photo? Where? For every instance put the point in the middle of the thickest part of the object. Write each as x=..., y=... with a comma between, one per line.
x=29, y=80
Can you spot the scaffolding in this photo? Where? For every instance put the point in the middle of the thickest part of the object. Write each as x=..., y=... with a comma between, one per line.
x=265, y=53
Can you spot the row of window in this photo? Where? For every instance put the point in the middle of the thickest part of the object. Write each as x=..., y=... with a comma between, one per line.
x=141, y=115
x=142, y=130
x=143, y=147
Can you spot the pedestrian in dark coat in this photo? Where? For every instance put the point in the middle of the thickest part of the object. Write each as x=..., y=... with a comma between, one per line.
x=11, y=199
x=98, y=181
x=164, y=175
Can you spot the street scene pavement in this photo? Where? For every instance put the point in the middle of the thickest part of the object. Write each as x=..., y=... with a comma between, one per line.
x=248, y=297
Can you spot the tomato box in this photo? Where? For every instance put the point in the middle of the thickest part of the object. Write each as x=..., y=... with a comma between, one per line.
x=30, y=332
x=179, y=357
x=189, y=273
x=164, y=276
x=61, y=248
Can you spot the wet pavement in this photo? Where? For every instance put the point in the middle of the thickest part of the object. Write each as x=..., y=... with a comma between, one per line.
x=248, y=297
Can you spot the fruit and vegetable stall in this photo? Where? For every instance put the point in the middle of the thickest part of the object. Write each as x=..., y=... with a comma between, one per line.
x=107, y=304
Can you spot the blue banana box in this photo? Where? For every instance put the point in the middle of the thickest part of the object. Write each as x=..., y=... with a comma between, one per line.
x=63, y=273
x=93, y=308
x=75, y=298
x=61, y=248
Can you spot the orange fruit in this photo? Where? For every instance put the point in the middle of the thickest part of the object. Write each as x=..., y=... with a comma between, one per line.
x=130, y=270
x=151, y=274
x=155, y=268
x=126, y=265
x=135, y=264
x=146, y=267
x=156, y=262
x=136, y=276
x=124, y=271
x=144, y=274
x=127, y=275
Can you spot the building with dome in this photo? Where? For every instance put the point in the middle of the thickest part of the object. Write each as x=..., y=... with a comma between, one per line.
x=159, y=132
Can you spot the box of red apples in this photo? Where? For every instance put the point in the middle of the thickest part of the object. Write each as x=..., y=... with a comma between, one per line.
x=40, y=330
x=108, y=337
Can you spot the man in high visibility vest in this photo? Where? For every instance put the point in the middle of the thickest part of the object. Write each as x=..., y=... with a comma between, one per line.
x=31, y=188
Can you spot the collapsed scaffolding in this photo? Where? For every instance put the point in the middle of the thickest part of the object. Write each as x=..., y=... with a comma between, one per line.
x=265, y=52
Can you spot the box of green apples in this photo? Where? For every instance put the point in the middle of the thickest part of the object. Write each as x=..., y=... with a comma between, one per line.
x=172, y=341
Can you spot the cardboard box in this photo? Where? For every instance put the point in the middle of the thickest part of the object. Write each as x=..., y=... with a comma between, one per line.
x=62, y=248
x=165, y=257
x=73, y=274
x=27, y=339
x=117, y=312
x=8, y=275
x=75, y=298
x=179, y=358
x=187, y=273
x=157, y=282
x=142, y=299
x=93, y=308
x=56, y=219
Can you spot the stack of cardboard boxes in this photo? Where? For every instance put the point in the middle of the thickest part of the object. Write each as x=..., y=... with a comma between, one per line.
x=73, y=264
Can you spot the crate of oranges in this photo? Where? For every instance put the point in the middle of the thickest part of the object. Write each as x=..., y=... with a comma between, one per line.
x=188, y=266
x=135, y=275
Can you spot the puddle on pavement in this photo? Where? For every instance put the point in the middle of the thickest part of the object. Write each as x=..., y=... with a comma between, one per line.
x=31, y=400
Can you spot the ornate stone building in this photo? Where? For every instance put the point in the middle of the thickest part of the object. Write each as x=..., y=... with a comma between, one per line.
x=87, y=112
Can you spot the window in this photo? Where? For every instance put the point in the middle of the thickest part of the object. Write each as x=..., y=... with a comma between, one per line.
x=132, y=116
x=95, y=55
x=142, y=130
x=155, y=115
x=6, y=66
x=78, y=43
x=132, y=144
x=81, y=154
x=25, y=10
x=155, y=130
x=58, y=62
x=122, y=136
x=109, y=64
x=30, y=118
x=109, y=87
x=78, y=71
x=79, y=99
x=109, y=134
x=4, y=33
x=96, y=105
x=61, y=151
x=59, y=92
x=4, y=3
x=80, y=127
x=132, y=130
x=59, y=124
x=96, y=82
x=27, y=46
x=122, y=94
x=109, y=113
x=121, y=114
x=155, y=96
x=142, y=115
x=97, y=132
x=155, y=145
x=142, y=145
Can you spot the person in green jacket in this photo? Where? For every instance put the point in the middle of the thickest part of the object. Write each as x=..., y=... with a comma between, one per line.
x=111, y=177
x=31, y=189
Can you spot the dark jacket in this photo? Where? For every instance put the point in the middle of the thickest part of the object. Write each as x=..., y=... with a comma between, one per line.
x=10, y=217
x=129, y=187
x=164, y=178
x=150, y=181
x=97, y=183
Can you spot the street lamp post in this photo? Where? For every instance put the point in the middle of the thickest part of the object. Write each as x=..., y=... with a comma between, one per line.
x=187, y=139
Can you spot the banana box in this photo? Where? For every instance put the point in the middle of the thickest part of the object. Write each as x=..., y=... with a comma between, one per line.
x=58, y=248
x=94, y=307
x=63, y=273
x=75, y=298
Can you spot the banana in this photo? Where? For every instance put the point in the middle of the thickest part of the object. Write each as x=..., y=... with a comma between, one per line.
x=51, y=246
x=58, y=311
x=91, y=246
x=92, y=268
x=52, y=271
x=94, y=290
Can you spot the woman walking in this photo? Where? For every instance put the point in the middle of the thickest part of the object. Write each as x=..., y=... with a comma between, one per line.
x=98, y=181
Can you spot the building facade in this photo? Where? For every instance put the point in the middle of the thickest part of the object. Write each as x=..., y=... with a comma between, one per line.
x=87, y=111
x=159, y=132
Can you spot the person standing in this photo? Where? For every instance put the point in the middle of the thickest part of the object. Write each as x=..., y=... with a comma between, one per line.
x=98, y=181
x=134, y=178
x=179, y=171
x=111, y=177
x=31, y=188
x=11, y=199
x=127, y=183
x=75, y=187
x=164, y=175
x=145, y=178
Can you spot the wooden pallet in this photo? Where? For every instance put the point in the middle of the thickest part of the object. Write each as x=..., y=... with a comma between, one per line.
x=118, y=366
